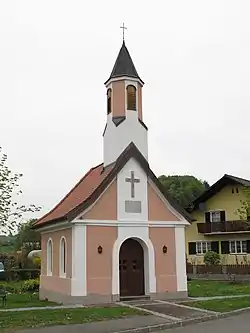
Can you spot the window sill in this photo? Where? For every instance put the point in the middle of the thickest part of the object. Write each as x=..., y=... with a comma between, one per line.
x=242, y=253
x=62, y=275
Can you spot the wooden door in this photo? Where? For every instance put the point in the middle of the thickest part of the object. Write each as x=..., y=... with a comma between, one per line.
x=131, y=267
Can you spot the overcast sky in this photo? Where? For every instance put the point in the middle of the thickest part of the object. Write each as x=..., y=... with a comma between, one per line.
x=55, y=55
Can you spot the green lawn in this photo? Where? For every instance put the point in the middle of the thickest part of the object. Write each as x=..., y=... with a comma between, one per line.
x=199, y=288
x=26, y=300
x=222, y=305
x=10, y=321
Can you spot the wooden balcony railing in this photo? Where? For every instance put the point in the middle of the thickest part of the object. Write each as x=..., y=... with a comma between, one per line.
x=227, y=226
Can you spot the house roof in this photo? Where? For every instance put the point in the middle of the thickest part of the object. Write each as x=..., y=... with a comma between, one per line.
x=124, y=65
x=89, y=188
x=215, y=188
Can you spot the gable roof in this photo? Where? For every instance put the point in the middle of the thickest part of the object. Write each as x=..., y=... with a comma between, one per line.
x=124, y=65
x=215, y=188
x=89, y=188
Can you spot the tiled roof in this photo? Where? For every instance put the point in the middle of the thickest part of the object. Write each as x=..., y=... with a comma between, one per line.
x=81, y=192
x=90, y=187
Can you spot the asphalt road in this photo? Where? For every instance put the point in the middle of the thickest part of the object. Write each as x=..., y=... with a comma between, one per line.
x=240, y=323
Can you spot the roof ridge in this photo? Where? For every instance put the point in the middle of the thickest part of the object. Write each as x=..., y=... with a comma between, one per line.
x=227, y=175
x=67, y=195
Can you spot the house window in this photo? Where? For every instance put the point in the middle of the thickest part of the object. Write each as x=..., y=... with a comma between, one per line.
x=237, y=190
x=63, y=257
x=203, y=247
x=215, y=216
x=49, y=257
x=237, y=246
x=131, y=98
x=109, y=100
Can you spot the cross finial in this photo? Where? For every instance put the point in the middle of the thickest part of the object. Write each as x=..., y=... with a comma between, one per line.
x=123, y=29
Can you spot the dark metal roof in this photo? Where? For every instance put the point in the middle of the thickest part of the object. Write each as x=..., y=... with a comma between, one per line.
x=124, y=65
x=215, y=188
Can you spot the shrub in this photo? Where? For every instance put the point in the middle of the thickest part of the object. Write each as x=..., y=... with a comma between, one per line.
x=30, y=285
x=212, y=258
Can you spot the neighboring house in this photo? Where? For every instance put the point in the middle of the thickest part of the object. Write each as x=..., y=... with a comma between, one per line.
x=115, y=234
x=218, y=226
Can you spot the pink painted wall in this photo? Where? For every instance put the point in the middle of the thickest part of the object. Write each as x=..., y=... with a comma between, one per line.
x=99, y=266
x=165, y=267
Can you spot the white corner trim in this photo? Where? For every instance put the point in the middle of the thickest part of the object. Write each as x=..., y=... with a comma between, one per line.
x=94, y=203
x=78, y=261
x=180, y=257
x=168, y=205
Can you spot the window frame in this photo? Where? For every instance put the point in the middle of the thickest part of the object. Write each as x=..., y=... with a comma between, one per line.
x=235, y=246
x=49, y=257
x=136, y=97
x=207, y=244
x=211, y=215
x=63, y=257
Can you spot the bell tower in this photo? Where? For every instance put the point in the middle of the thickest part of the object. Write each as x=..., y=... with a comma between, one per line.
x=124, y=109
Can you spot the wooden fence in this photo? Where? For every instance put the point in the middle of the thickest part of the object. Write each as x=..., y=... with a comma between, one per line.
x=218, y=269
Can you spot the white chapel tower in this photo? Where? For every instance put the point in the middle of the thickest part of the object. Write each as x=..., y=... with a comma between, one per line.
x=124, y=110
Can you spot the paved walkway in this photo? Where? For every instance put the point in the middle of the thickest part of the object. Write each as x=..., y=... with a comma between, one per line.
x=239, y=323
x=82, y=306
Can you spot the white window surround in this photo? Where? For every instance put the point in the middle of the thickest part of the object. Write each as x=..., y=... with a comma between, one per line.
x=238, y=246
x=203, y=247
x=62, y=257
x=49, y=257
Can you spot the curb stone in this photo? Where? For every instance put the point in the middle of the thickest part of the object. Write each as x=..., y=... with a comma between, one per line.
x=183, y=323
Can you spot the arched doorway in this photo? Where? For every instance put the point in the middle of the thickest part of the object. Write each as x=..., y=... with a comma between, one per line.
x=131, y=268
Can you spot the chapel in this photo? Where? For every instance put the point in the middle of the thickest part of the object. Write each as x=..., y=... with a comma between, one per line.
x=116, y=235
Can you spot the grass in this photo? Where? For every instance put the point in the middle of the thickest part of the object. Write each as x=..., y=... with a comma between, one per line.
x=26, y=300
x=221, y=305
x=204, y=288
x=10, y=321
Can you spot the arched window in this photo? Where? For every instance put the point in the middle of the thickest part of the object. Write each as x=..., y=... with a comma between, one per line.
x=62, y=257
x=49, y=257
x=109, y=100
x=131, y=98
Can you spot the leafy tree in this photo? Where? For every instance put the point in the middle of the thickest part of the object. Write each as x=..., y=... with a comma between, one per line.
x=244, y=211
x=183, y=189
x=10, y=212
x=27, y=238
x=211, y=258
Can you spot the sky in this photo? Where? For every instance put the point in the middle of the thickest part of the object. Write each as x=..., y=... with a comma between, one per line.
x=56, y=55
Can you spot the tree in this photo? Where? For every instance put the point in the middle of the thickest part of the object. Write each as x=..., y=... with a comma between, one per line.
x=10, y=212
x=183, y=189
x=27, y=238
x=244, y=211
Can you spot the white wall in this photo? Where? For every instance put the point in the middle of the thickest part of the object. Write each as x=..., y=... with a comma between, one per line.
x=116, y=139
x=79, y=274
x=124, y=192
x=180, y=258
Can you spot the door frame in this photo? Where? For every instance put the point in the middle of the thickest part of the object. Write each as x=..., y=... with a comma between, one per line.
x=149, y=262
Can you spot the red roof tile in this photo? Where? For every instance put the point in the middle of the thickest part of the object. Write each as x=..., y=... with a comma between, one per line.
x=80, y=193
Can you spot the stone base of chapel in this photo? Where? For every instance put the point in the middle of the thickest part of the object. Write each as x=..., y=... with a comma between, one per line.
x=102, y=299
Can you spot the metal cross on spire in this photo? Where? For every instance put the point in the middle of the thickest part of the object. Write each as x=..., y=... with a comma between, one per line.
x=123, y=30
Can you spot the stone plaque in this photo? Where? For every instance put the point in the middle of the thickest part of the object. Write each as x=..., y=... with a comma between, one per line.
x=132, y=206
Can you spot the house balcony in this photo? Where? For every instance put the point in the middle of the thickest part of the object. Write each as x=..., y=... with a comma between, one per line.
x=213, y=228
